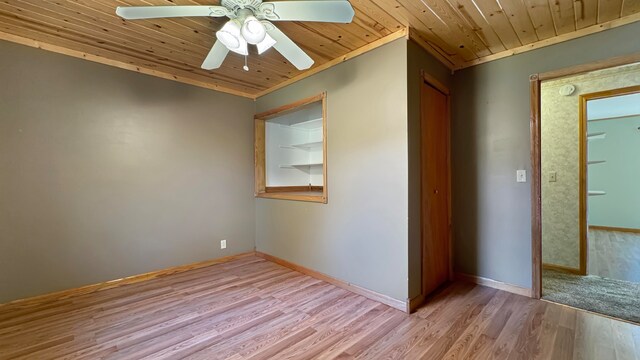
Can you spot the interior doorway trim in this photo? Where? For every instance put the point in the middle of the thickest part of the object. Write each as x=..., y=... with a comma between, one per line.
x=535, y=81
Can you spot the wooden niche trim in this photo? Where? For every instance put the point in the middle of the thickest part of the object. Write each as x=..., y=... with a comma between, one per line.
x=279, y=189
x=298, y=193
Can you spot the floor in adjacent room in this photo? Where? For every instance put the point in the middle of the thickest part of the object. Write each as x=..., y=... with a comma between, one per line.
x=614, y=255
x=612, y=287
x=611, y=297
x=251, y=308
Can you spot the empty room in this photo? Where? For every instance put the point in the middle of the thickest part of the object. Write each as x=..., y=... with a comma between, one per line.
x=319, y=179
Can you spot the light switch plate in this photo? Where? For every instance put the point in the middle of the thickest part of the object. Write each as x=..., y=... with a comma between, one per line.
x=521, y=176
x=553, y=176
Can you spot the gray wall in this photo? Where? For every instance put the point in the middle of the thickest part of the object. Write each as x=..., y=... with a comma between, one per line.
x=417, y=59
x=360, y=236
x=106, y=173
x=490, y=138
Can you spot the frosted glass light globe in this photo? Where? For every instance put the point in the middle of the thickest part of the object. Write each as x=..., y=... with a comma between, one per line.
x=253, y=31
x=229, y=35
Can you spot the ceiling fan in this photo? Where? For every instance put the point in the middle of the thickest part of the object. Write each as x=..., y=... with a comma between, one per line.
x=250, y=23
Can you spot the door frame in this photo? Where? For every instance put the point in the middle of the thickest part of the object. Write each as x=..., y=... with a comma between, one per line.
x=535, y=81
x=584, y=191
x=435, y=83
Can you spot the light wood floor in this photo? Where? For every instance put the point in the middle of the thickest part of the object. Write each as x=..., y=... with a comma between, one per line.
x=254, y=309
x=614, y=255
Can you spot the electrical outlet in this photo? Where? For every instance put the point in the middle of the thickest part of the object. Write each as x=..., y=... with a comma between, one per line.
x=223, y=244
x=553, y=176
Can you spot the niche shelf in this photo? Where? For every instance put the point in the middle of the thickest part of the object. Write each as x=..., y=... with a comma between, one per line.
x=300, y=165
x=596, y=193
x=308, y=125
x=308, y=146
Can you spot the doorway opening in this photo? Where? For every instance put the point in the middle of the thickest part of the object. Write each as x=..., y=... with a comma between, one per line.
x=610, y=178
x=586, y=228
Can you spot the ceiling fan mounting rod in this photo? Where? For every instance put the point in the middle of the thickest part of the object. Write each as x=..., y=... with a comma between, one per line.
x=262, y=11
x=242, y=14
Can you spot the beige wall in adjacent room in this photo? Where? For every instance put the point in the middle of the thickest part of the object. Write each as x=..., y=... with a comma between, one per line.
x=106, y=173
x=560, y=143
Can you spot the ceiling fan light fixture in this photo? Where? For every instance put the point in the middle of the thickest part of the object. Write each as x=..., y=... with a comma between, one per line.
x=265, y=44
x=252, y=30
x=243, y=49
x=230, y=36
x=250, y=23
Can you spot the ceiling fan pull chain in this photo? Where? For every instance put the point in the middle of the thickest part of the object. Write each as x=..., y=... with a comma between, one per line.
x=245, y=67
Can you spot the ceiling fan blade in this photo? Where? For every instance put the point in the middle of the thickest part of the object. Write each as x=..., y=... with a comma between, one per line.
x=215, y=57
x=338, y=11
x=288, y=48
x=152, y=12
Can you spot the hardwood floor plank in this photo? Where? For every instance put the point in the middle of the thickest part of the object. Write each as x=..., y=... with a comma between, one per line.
x=410, y=333
x=365, y=342
x=514, y=325
x=549, y=331
x=483, y=346
x=623, y=341
x=329, y=336
x=209, y=339
x=338, y=349
x=466, y=318
x=271, y=351
x=464, y=346
x=250, y=308
x=528, y=344
x=563, y=344
x=229, y=344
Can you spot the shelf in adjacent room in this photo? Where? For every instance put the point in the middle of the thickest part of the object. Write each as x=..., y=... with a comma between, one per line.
x=308, y=146
x=596, y=136
x=592, y=162
x=596, y=193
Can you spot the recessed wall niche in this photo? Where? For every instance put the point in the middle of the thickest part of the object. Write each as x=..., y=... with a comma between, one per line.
x=291, y=151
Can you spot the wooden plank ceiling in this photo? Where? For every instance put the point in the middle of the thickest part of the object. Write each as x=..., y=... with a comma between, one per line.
x=460, y=33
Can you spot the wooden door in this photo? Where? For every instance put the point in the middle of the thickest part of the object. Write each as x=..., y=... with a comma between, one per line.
x=435, y=172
